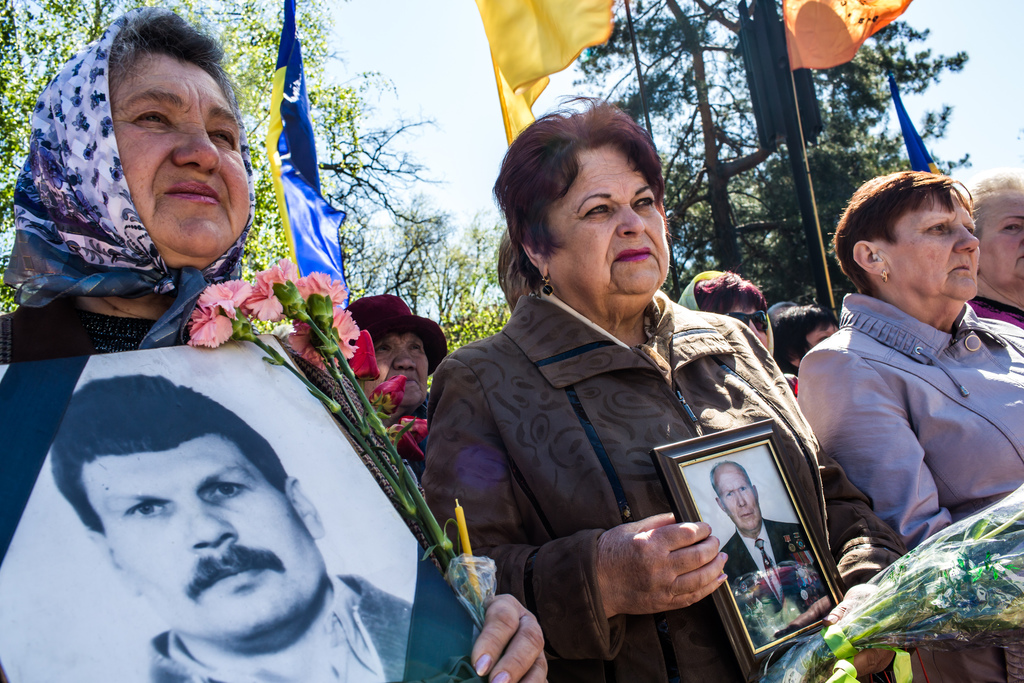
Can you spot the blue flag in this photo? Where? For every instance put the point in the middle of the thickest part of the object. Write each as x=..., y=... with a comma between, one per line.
x=311, y=224
x=920, y=160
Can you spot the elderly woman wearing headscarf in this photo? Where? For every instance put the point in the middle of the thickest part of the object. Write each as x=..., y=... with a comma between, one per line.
x=136, y=194
x=999, y=225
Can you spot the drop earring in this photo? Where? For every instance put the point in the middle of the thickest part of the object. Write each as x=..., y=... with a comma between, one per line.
x=885, y=276
x=546, y=287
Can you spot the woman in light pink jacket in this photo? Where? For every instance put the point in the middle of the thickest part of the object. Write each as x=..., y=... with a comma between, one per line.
x=919, y=399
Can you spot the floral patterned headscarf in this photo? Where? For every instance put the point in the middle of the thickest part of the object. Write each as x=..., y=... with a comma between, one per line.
x=78, y=233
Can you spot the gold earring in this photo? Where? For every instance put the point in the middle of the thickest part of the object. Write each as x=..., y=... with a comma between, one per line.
x=547, y=288
x=885, y=276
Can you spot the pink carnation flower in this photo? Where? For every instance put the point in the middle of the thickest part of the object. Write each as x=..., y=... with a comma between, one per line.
x=208, y=327
x=284, y=271
x=321, y=283
x=303, y=345
x=263, y=304
x=227, y=296
x=348, y=332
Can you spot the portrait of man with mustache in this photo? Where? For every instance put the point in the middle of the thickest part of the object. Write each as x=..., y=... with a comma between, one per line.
x=197, y=514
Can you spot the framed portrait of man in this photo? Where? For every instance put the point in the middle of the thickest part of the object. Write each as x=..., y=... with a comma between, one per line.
x=781, y=578
x=194, y=516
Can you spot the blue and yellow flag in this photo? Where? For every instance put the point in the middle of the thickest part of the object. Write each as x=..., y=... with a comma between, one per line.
x=920, y=160
x=310, y=223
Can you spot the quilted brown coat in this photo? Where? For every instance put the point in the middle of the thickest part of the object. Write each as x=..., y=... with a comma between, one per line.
x=543, y=433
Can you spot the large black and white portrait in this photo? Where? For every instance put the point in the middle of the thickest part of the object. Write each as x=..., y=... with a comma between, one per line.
x=200, y=517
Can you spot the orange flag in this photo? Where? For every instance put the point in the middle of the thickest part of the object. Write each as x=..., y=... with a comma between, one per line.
x=824, y=33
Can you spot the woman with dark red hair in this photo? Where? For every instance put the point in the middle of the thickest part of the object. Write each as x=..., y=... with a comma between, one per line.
x=543, y=431
x=729, y=294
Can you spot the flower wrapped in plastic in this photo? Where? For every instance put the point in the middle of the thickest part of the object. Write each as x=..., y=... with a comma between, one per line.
x=475, y=580
x=962, y=588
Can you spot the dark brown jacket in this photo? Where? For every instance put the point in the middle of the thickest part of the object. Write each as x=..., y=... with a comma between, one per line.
x=519, y=424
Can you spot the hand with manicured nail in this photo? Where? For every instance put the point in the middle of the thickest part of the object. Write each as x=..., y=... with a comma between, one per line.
x=512, y=637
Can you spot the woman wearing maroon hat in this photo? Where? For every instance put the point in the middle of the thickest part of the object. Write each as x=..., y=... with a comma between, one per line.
x=404, y=344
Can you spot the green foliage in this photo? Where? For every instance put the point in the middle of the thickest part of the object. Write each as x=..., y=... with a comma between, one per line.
x=711, y=145
x=442, y=271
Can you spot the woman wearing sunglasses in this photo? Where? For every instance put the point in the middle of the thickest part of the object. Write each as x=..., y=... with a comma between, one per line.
x=727, y=293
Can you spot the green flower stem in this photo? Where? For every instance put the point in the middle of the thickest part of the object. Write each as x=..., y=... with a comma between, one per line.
x=408, y=507
x=1002, y=527
x=335, y=407
x=371, y=414
x=398, y=476
x=277, y=359
x=302, y=316
x=405, y=430
x=405, y=491
x=332, y=368
x=443, y=546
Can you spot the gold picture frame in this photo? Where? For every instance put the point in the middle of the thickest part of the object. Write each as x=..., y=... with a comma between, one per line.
x=782, y=578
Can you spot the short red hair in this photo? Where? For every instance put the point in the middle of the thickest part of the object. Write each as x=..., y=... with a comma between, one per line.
x=880, y=203
x=728, y=293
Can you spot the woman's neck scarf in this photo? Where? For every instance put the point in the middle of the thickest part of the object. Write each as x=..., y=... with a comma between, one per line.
x=78, y=233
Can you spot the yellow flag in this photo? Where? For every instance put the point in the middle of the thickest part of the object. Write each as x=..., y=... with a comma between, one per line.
x=531, y=39
x=824, y=33
x=517, y=110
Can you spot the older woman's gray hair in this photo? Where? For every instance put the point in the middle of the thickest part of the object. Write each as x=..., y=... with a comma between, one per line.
x=990, y=183
x=79, y=232
x=156, y=31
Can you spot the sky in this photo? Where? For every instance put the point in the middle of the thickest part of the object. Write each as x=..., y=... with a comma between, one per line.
x=436, y=56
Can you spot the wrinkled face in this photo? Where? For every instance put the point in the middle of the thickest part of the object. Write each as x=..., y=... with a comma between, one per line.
x=1001, y=265
x=738, y=498
x=403, y=354
x=932, y=263
x=178, y=141
x=612, y=249
x=220, y=553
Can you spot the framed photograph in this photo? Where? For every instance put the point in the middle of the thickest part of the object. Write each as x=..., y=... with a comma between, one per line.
x=782, y=580
x=194, y=515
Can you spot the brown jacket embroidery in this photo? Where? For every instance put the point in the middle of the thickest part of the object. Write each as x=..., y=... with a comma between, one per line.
x=519, y=422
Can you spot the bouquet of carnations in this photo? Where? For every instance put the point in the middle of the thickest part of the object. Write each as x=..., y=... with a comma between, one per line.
x=326, y=337
x=961, y=588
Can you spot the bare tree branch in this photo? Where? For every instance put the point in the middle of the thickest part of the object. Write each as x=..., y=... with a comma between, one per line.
x=745, y=163
x=717, y=15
